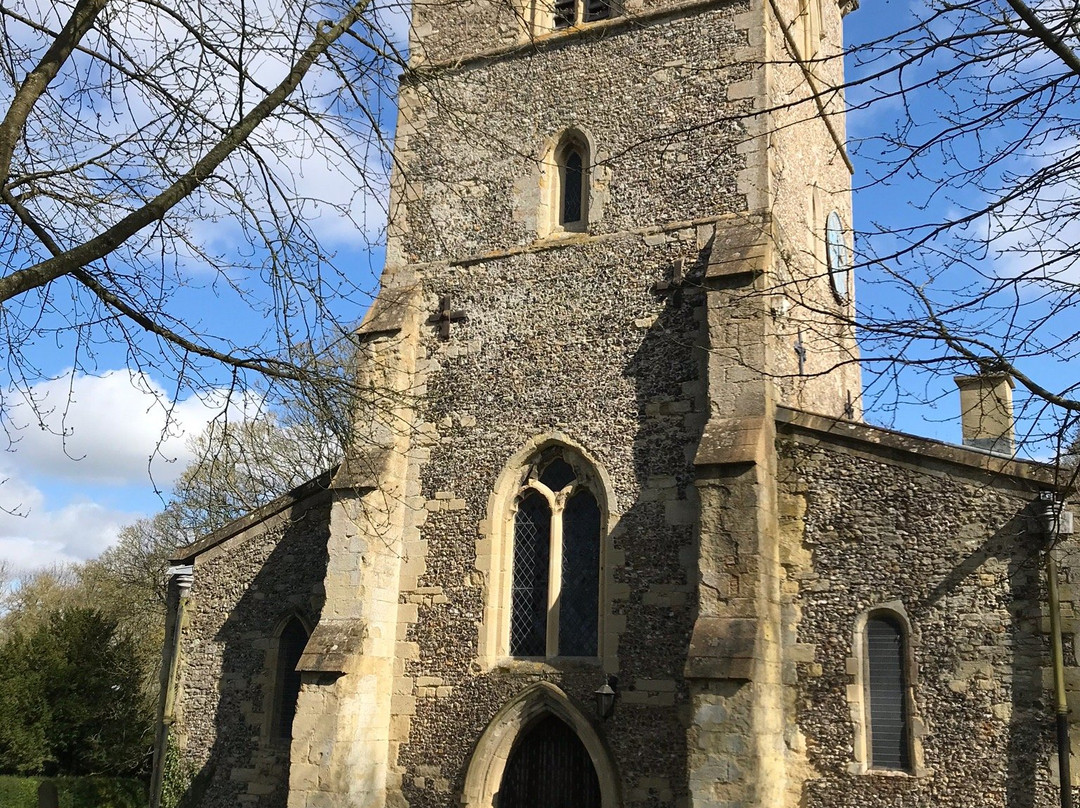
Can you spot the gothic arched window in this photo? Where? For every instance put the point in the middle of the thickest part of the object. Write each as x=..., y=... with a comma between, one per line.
x=290, y=646
x=568, y=13
x=572, y=193
x=887, y=711
x=555, y=594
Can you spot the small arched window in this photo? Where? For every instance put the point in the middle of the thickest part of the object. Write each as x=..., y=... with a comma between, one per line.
x=568, y=13
x=554, y=608
x=290, y=646
x=887, y=710
x=572, y=193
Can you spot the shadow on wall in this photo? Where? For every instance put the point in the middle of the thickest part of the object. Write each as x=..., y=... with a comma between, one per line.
x=658, y=533
x=958, y=551
x=249, y=756
x=1030, y=715
x=647, y=733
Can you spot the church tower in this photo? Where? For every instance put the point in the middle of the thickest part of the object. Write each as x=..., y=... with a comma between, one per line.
x=619, y=238
x=613, y=534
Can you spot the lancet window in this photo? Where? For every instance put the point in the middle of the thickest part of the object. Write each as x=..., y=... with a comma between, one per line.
x=290, y=647
x=572, y=193
x=887, y=710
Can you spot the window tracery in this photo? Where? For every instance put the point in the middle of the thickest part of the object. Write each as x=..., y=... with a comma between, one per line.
x=555, y=595
x=572, y=192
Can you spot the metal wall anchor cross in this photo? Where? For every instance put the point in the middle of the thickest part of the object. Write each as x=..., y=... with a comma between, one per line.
x=445, y=316
x=800, y=351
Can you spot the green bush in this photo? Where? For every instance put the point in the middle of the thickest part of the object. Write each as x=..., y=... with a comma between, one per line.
x=72, y=700
x=75, y=792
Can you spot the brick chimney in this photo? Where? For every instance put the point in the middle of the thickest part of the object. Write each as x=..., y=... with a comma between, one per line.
x=986, y=413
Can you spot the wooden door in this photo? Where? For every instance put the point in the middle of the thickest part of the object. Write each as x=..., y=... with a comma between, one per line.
x=549, y=767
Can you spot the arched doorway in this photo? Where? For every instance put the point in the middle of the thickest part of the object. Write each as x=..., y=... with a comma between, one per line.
x=517, y=740
x=549, y=767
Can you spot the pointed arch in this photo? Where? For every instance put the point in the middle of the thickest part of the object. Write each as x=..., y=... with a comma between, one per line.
x=287, y=644
x=547, y=556
x=487, y=764
x=572, y=160
x=568, y=180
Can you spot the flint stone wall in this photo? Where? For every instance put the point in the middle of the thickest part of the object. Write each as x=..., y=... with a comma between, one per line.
x=243, y=590
x=955, y=547
x=443, y=32
x=565, y=335
x=471, y=139
x=574, y=342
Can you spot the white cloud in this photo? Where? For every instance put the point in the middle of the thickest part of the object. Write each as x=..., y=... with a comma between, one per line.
x=35, y=533
x=114, y=429
x=38, y=537
x=102, y=436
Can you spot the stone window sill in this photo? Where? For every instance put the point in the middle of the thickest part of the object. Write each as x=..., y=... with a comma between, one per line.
x=534, y=665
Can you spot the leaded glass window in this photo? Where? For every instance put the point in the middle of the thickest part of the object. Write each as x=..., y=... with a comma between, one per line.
x=580, y=579
x=886, y=692
x=555, y=595
x=567, y=13
x=572, y=160
x=572, y=168
x=558, y=474
x=528, y=621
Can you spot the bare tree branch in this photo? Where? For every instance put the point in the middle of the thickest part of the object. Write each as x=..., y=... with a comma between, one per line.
x=23, y=280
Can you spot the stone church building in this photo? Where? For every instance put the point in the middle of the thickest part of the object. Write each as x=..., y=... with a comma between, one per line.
x=614, y=534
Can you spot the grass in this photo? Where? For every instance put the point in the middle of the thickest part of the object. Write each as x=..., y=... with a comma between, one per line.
x=75, y=792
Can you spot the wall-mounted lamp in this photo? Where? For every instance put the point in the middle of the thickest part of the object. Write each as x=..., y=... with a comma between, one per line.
x=605, y=697
x=1047, y=509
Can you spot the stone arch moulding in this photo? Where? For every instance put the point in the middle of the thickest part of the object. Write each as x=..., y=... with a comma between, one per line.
x=857, y=698
x=495, y=545
x=488, y=760
x=272, y=680
x=294, y=614
x=594, y=177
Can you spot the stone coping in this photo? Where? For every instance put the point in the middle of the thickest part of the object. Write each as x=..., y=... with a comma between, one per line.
x=313, y=487
x=902, y=446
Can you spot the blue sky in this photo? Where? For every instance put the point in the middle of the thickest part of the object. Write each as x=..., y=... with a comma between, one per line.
x=921, y=399
x=102, y=455
x=101, y=445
